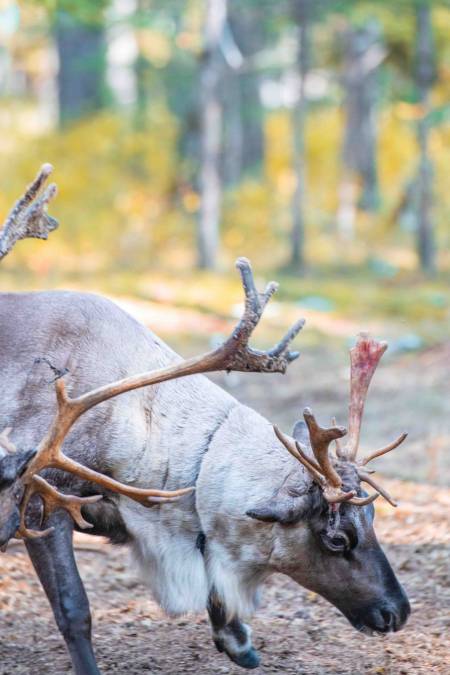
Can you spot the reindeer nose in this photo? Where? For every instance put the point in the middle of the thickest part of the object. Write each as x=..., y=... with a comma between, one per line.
x=390, y=619
x=387, y=618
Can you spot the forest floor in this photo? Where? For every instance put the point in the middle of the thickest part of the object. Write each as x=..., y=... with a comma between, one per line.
x=295, y=630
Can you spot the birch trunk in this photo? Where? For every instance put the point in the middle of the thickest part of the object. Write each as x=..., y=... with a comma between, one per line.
x=211, y=135
x=425, y=76
x=302, y=11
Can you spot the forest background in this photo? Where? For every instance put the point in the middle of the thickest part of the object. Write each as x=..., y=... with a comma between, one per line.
x=311, y=136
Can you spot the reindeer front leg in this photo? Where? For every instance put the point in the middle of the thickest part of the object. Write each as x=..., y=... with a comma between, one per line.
x=53, y=559
x=232, y=637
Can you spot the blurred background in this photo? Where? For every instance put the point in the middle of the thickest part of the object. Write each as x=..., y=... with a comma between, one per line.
x=311, y=136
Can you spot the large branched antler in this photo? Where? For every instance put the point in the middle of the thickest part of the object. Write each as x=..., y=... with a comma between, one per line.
x=28, y=217
x=364, y=358
x=234, y=355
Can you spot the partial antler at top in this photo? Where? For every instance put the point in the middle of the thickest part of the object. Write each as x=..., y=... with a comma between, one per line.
x=28, y=217
x=234, y=355
x=364, y=358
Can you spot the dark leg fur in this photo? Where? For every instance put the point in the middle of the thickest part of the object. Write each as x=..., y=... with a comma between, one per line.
x=232, y=637
x=54, y=562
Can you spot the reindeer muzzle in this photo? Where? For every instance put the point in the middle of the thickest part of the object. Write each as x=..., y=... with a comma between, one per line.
x=385, y=617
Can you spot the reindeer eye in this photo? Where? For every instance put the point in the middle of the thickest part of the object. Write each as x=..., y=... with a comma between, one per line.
x=338, y=543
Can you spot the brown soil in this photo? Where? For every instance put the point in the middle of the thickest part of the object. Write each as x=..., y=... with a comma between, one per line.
x=296, y=631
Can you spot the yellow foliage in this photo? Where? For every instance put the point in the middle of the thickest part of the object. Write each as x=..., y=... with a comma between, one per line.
x=121, y=201
x=115, y=189
x=155, y=46
x=248, y=227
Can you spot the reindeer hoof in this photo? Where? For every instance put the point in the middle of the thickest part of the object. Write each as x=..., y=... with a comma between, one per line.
x=246, y=659
x=249, y=659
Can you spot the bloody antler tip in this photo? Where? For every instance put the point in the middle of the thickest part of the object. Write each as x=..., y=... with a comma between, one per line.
x=363, y=337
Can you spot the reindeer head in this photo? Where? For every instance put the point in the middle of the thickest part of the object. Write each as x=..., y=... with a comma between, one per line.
x=13, y=464
x=326, y=540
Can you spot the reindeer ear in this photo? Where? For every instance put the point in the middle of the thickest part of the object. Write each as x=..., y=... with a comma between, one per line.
x=301, y=433
x=13, y=466
x=283, y=508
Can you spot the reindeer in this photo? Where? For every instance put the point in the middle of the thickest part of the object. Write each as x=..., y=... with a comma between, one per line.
x=256, y=508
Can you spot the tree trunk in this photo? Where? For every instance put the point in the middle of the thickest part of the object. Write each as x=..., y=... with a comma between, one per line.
x=360, y=175
x=81, y=74
x=233, y=130
x=247, y=27
x=302, y=12
x=211, y=135
x=142, y=73
x=425, y=76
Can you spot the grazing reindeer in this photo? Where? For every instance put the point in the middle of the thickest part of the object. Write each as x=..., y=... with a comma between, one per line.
x=256, y=509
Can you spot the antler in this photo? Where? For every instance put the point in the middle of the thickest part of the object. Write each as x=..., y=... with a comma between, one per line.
x=364, y=358
x=53, y=500
x=235, y=354
x=320, y=439
x=322, y=469
x=28, y=217
x=383, y=451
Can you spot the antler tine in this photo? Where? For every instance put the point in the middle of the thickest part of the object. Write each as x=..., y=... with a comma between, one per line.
x=383, y=451
x=337, y=442
x=363, y=501
x=254, y=301
x=364, y=359
x=30, y=193
x=245, y=358
x=5, y=442
x=320, y=440
x=296, y=451
x=52, y=500
x=28, y=219
x=370, y=481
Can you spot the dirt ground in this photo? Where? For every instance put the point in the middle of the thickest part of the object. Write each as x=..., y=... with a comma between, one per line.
x=295, y=631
